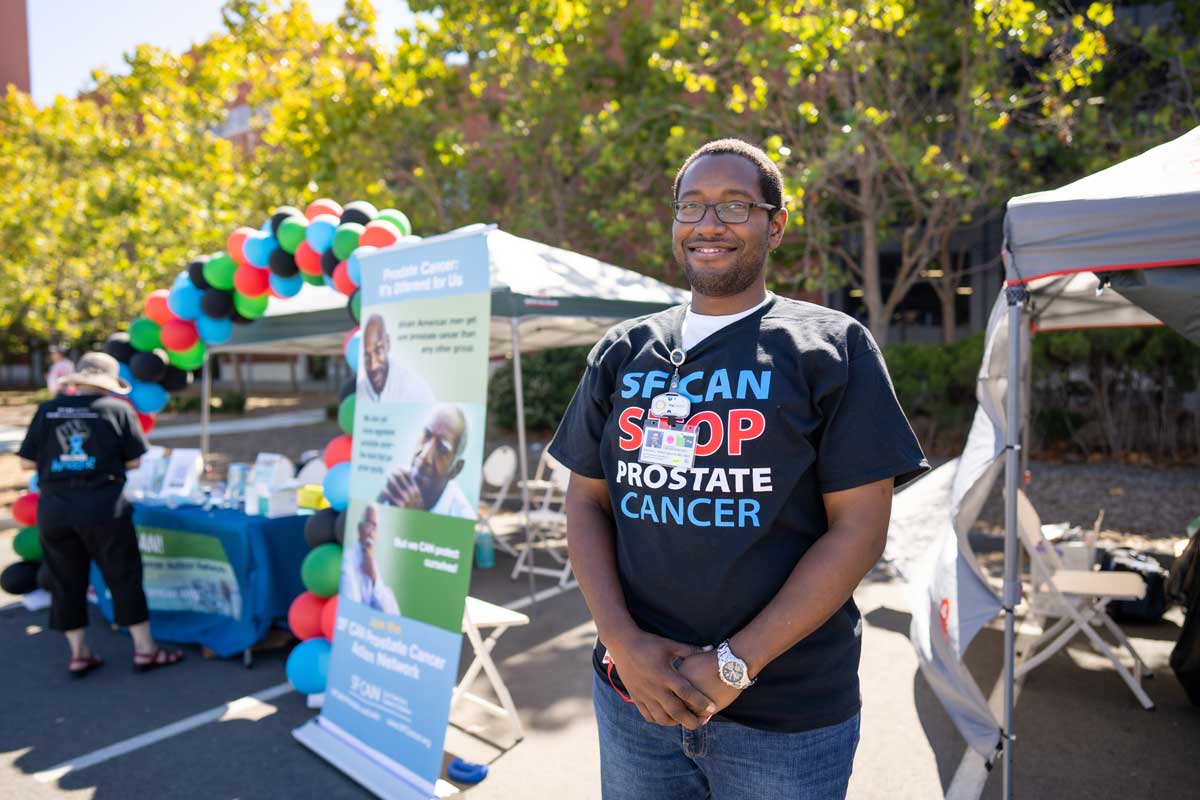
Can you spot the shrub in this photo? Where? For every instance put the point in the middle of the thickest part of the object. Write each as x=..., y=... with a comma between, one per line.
x=550, y=378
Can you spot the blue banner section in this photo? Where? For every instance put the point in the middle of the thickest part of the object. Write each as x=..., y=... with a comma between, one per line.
x=424, y=270
x=394, y=679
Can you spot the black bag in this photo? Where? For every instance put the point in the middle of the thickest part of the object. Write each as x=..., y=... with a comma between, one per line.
x=1151, y=607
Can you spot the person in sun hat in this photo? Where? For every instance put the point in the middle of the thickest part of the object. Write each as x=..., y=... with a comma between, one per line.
x=81, y=444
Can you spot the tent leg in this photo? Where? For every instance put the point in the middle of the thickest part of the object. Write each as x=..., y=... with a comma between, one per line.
x=519, y=387
x=205, y=399
x=1012, y=474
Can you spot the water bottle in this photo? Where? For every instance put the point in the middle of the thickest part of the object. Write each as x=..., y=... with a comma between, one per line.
x=485, y=551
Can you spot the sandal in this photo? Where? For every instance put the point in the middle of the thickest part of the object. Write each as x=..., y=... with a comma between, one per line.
x=78, y=667
x=161, y=657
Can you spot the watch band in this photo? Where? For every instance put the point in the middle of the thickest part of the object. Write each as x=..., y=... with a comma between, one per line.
x=732, y=670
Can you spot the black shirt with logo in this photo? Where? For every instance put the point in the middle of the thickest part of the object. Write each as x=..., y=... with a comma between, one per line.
x=788, y=403
x=81, y=444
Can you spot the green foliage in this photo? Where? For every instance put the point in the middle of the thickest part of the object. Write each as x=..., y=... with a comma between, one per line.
x=935, y=385
x=549, y=380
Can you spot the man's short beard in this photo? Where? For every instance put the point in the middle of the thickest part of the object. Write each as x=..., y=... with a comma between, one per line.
x=725, y=282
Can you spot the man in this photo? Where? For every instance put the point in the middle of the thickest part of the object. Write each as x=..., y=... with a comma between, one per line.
x=718, y=540
x=383, y=379
x=60, y=367
x=428, y=481
x=81, y=445
x=360, y=574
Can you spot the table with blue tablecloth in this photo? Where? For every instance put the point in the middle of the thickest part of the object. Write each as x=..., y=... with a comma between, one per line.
x=217, y=577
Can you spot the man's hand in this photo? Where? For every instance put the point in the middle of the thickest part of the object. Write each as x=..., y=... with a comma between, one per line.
x=662, y=695
x=701, y=670
x=401, y=490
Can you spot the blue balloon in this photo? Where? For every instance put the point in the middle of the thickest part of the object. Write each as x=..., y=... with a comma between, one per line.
x=354, y=266
x=258, y=248
x=266, y=227
x=33, y=483
x=319, y=233
x=182, y=279
x=184, y=301
x=308, y=666
x=213, y=330
x=148, y=398
x=352, y=350
x=126, y=373
x=287, y=287
x=328, y=281
x=337, y=486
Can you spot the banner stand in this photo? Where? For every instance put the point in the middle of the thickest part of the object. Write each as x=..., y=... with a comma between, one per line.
x=365, y=771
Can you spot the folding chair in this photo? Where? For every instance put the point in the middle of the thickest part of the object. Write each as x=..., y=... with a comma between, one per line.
x=499, y=470
x=480, y=614
x=1079, y=597
x=547, y=517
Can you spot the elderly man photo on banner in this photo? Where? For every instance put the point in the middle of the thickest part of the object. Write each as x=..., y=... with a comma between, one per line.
x=733, y=463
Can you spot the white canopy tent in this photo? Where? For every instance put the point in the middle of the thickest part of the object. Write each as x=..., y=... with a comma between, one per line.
x=1117, y=248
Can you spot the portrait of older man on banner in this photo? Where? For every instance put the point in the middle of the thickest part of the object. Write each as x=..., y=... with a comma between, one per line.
x=382, y=378
x=427, y=481
x=361, y=578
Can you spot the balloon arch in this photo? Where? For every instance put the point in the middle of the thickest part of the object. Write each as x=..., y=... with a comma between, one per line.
x=321, y=245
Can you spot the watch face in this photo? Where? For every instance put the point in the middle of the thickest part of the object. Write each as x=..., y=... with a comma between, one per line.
x=732, y=671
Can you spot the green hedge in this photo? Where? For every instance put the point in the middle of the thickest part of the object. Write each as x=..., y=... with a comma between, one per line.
x=550, y=378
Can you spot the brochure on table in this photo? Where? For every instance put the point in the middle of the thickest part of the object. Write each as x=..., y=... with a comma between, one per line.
x=406, y=565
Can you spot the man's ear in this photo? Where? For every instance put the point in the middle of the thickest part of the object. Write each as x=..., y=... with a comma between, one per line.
x=776, y=227
x=453, y=473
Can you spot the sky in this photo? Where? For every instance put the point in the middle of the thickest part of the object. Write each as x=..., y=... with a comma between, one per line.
x=70, y=38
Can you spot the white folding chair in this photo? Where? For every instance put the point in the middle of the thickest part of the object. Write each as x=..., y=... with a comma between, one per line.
x=499, y=471
x=548, y=516
x=1080, y=597
x=479, y=614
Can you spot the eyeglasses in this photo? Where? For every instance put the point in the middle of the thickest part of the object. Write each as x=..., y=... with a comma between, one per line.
x=734, y=212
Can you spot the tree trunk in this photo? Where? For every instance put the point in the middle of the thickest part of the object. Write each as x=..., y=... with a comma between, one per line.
x=947, y=296
x=872, y=286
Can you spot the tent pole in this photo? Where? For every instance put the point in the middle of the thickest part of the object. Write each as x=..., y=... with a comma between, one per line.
x=1012, y=472
x=205, y=399
x=519, y=388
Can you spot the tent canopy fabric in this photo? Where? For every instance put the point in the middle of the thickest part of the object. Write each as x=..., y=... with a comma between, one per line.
x=558, y=298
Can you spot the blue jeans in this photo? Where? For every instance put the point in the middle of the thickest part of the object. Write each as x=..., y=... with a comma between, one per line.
x=721, y=760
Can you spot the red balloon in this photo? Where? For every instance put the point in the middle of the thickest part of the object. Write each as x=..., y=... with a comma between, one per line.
x=147, y=422
x=341, y=280
x=251, y=281
x=24, y=511
x=233, y=245
x=329, y=618
x=349, y=335
x=179, y=335
x=322, y=206
x=338, y=450
x=308, y=260
x=156, y=307
x=379, y=233
x=304, y=617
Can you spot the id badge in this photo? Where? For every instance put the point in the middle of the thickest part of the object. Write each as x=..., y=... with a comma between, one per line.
x=669, y=444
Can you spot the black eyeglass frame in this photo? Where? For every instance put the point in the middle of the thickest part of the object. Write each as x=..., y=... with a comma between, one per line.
x=716, y=207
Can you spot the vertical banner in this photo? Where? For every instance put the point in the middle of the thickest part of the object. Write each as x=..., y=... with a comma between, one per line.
x=410, y=523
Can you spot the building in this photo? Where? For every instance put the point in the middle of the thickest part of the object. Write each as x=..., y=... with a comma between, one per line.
x=14, y=45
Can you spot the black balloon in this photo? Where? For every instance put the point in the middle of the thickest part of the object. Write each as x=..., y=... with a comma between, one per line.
x=174, y=379
x=150, y=366
x=348, y=388
x=359, y=211
x=118, y=347
x=329, y=262
x=217, y=303
x=43, y=577
x=282, y=213
x=319, y=528
x=339, y=527
x=195, y=272
x=350, y=306
x=283, y=263
x=21, y=577
x=238, y=319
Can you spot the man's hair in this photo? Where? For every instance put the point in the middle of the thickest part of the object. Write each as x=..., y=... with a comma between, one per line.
x=374, y=321
x=770, y=181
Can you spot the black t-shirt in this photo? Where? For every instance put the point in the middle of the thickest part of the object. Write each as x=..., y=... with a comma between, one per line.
x=81, y=444
x=789, y=402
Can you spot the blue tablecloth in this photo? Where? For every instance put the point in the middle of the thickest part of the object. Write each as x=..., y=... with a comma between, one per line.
x=217, y=578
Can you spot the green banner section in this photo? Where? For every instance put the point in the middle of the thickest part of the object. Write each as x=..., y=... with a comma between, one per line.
x=187, y=572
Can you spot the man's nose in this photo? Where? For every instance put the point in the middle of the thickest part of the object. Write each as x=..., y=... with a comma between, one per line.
x=710, y=222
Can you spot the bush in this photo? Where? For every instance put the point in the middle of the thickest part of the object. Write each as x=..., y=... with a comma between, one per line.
x=935, y=385
x=550, y=378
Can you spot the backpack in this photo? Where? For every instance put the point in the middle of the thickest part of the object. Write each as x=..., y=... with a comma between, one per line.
x=1151, y=607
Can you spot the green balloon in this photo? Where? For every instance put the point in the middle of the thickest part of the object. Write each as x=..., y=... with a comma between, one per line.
x=219, y=271
x=26, y=544
x=143, y=334
x=315, y=280
x=250, y=307
x=356, y=306
x=345, y=239
x=192, y=358
x=346, y=415
x=322, y=569
x=397, y=218
x=291, y=232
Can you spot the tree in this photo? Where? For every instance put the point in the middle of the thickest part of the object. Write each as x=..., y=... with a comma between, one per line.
x=895, y=122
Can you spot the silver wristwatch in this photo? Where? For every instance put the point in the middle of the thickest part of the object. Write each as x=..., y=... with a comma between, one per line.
x=733, y=670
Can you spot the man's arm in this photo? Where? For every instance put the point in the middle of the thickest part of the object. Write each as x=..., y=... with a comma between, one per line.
x=645, y=661
x=819, y=585
x=27, y=464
